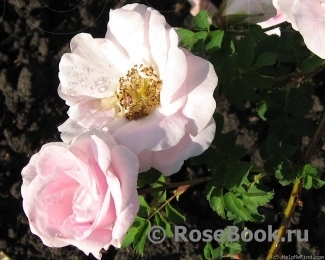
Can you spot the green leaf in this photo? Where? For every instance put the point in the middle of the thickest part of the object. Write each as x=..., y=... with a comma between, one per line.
x=303, y=126
x=174, y=215
x=207, y=251
x=162, y=195
x=245, y=51
x=282, y=168
x=162, y=222
x=280, y=128
x=141, y=237
x=270, y=146
x=144, y=207
x=261, y=109
x=288, y=38
x=255, y=80
x=233, y=247
x=288, y=150
x=130, y=236
x=235, y=206
x=310, y=175
x=216, y=201
x=311, y=64
x=265, y=59
x=268, y=44
x=214, y=40
x=274, y=112
x=237, y=175
x=299, y=105
x=258, y=197
x=217, y=253
x=201, y=22
x=133, y=230
x=148, y=177
x=189, y=38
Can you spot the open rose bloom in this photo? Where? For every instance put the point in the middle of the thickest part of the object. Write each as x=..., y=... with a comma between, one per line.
x=138, y=85
x=83, y=194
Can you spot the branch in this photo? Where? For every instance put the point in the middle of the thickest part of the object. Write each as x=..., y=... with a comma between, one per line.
x=296, y=189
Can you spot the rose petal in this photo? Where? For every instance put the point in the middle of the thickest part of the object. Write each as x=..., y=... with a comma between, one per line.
x=126, y=166
x=132, y=37
x=145, y=160
x=171, y=160
x=175, y=72
x=69, y=130
x=151, y=133
x=200, y=104
x=89, y=70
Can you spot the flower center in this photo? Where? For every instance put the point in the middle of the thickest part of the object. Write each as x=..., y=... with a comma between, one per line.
x=139, y=92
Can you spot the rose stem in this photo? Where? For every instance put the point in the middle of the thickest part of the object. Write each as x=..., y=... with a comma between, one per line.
x=296, y=189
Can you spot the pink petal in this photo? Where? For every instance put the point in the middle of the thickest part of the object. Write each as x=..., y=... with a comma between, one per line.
x=200, y=105
x=89, y=70
x=151, y=133
x=90, y=114
x=279, y=18
x=98, y=239
x=54, y=158
x=158, y=40
x=126, y=166
x=310, y=20
x=144, y=158
x=70, y=129
x=286, y=7
x=132, y=37
x=175, y=73
x=171, y=160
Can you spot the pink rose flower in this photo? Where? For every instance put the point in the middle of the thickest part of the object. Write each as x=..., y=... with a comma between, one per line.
x=307, y=17
x=83, y=194
x=279, y=18
x=137, y=84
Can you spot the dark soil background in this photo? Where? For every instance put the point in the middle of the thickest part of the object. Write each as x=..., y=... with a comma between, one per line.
x=33, y=36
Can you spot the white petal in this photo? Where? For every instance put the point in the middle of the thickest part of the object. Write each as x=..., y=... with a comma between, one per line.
x=151, y=133
x=89, y=70
x=132, y=37
x=70, y=129
x=171, y=160
x=200, y=105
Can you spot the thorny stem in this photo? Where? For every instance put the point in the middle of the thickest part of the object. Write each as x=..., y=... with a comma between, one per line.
x=296, y=189
x=301, y=74
x=167, y=186
x=177, y=193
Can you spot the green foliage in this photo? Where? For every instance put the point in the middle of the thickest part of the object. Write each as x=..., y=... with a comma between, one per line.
x=231, y=194
x=311, y=64
x=137, y=235
x=224, y=248
x=193, y=41
x=311, y=177
x=200, y=21
x=148, y=177
x=174, y=215
x=201, y=41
